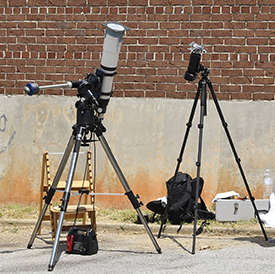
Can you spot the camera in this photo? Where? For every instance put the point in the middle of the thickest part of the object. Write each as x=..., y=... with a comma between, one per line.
x=194, y=66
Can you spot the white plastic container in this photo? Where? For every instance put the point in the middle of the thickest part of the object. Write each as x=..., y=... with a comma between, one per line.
x=268, y=185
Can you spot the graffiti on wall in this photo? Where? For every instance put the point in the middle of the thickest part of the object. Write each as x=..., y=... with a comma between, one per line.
x=3, y=125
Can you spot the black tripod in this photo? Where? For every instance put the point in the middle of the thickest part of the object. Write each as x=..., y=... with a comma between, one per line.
x=87, y=123
x=201, y=91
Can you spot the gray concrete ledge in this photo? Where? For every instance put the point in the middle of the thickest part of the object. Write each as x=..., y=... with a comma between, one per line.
x=114, y=227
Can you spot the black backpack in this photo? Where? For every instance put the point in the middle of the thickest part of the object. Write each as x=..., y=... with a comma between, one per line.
x=182, y=201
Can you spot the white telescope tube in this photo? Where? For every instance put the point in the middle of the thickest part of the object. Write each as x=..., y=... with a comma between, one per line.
x=111, y=49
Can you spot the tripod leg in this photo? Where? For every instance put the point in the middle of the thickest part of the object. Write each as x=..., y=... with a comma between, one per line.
x=202, y=86
x=238, y=160
x=66, y=195
x=126, y=187
x=179, y=160
x=52, y=189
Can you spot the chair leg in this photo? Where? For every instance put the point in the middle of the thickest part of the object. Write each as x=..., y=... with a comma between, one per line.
x=55, y=216
x=93, y=221
x=84, y=218
x=52, y=220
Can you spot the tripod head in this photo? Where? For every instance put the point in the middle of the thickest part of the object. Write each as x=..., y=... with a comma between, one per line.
x=204, y=71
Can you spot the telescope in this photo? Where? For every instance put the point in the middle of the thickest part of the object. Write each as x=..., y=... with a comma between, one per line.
x=94, y=93
x=194, y=66
x=95, y=89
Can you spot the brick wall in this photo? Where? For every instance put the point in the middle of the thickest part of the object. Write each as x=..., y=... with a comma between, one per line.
x=52, y=41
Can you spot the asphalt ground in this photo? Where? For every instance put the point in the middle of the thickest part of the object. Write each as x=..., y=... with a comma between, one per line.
x=126, y=248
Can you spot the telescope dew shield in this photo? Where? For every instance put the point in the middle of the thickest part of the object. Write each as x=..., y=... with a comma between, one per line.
x=111, y=49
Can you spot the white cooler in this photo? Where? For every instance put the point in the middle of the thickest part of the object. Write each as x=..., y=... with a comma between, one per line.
x=235, y=210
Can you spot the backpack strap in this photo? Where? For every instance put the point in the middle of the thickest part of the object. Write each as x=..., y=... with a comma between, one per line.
x=154, y=216
x=204, y=213
x=178, y=230
x=200, y=229
x=203, y=206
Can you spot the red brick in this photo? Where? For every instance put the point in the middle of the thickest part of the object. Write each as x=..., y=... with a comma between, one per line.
x=179, y=17
x=134, y=93
x=245, y=9
x=169, y=41
x=265, y=2
x=157, y=32
x=191, y=95
x=257, y=41
x=159, y=9
x=157, y=17
x=231, y=72
x=234, y=25
x=155, y=79
x=81, y=3
x=199, y=2
x=246, y=2
x=6, y=69
x=243, y=17
x=256, y=25
x=154, y=2
x=243, y=33
x=169, y=10
x=176, y=95
x=17, y=3
x=213, y=25
x=262, y=96
x=269, y=73
x=155, y=94
x=57, y=2
x=99, y=3
x=145, y=86
x=211, y=41
x=221, y=96
x=233, y=89
x=241, y=96
x=138, y=2
x=235, y=41
x=38, y=3
x=264, y=81
x=264, y=33
x=222, y=17
x=269, y=89
x=119, y=17
x=224, y=2
x=165, y=87
x=178, y=2
x=247, y=49
x=243, y=64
